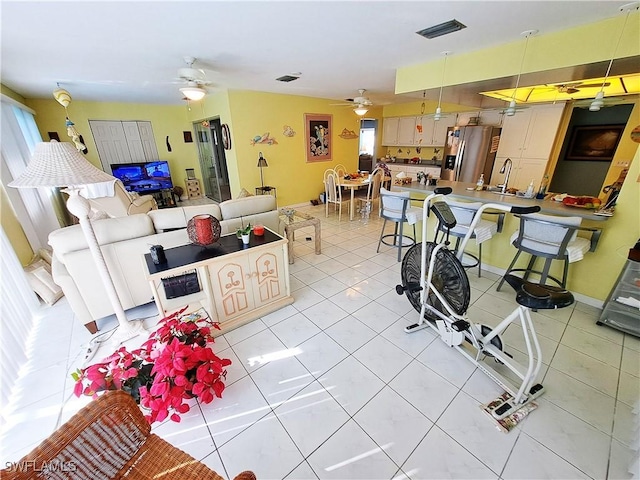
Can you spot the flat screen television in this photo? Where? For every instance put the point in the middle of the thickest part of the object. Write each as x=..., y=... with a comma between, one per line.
x=143, y=177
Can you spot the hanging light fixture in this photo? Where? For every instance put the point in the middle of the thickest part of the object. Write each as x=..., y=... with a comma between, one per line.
x=598, y=102
x=511, y=109
x=193, y=93
x=360, y=110
x=438, y=114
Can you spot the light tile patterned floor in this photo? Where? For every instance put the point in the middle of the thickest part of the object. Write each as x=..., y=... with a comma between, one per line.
x=353, y=396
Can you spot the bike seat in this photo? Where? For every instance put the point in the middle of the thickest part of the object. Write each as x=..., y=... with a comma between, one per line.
x=539, y=297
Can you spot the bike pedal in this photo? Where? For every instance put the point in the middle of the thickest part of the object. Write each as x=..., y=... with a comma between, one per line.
x=502, y=410
x=536, y=388
x=460, y=325
x=415, y=327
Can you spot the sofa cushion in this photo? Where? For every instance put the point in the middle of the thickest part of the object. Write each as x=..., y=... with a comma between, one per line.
x=173, y=218
x=109, y=230
x=242, y=207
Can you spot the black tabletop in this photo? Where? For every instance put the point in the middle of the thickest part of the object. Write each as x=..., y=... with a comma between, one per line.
x=188, y=254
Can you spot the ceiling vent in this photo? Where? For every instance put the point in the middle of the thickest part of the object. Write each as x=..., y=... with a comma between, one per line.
x=287, y=78
x=441, y=29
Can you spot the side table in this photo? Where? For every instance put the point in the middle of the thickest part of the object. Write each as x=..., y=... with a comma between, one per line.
x=294, y=220
x=266, y=190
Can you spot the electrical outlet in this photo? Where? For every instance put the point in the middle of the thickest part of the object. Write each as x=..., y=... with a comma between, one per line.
x=622, y=163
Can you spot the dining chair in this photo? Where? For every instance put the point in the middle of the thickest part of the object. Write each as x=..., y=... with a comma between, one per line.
x=340, y=170
x=484, y=230
x=365, y=202
x=396, y=207
x=333, y=194
x=552, y=238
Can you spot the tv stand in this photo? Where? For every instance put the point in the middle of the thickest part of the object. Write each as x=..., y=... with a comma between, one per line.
x=164, y=198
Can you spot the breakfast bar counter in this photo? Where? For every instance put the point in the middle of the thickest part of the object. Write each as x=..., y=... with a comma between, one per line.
x=467, y=191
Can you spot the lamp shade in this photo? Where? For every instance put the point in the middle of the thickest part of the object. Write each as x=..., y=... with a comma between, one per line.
x=360, y=111
x=59, y=164
x=194, y=93
x=62, y=97
x=262, y=162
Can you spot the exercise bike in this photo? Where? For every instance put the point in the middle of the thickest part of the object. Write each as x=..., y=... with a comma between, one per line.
x=436, y=284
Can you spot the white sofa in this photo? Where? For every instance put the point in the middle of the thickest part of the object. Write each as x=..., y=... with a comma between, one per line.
x=124, y=240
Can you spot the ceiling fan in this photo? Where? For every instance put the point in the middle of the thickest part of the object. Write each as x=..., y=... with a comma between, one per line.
x=194, y=79
x=575, y=87
x=360, y=103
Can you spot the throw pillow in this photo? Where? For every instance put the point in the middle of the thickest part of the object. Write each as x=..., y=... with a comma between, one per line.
x=244, y=193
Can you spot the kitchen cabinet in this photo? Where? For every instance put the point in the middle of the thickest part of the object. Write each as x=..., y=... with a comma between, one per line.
x=527, y=139
x=390, y=131
x=434, y=133
x=411, y=170
x=621, y=308
x=406, y=131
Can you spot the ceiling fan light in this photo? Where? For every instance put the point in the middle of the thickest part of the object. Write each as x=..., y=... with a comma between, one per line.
x=193, y=93
x=438, y=115
x=511, y=109
x=360, y=111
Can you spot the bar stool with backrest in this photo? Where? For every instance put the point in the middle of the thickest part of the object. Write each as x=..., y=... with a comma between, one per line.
x=396, y=207
x=552, y=238
x=485, y=229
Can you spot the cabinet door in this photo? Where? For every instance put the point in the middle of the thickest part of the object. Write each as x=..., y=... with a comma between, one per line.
x=542, y=131
x=231, y=286
x=440, y=130
x=463, y=118
x=514, y=133
x=406, y=129
x=425, y=137
x=268, y=276
x=491, y=117
x=390, y=131
x=528, y=169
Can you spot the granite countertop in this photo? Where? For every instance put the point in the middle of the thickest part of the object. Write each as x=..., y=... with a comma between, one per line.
x=467, y=191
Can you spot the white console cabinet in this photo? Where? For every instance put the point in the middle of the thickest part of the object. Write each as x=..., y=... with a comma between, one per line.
x=236, y=283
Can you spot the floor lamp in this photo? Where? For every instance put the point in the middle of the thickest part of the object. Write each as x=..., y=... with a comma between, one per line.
x=262, y=162
x=56, y=164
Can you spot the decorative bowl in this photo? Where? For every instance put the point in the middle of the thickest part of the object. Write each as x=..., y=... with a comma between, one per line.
x=203, y=230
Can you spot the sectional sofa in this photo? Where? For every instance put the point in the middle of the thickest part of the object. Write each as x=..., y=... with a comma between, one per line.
x=124, y=240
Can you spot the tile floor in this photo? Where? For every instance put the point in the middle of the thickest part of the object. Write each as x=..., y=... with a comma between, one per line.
x=332, y=387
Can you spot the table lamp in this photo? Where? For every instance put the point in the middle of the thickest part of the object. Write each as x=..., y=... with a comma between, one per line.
x=262, y=162
x=56, y=164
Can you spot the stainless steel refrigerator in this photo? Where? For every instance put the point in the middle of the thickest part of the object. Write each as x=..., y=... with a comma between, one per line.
x=469, y=152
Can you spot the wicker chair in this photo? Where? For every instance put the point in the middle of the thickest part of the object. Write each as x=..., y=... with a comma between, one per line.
x=110, y=439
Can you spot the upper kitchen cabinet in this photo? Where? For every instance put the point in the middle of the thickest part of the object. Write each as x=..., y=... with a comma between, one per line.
x=530, y=132
x=399, y=131
x=406, y=131
x=434, y=133
x=390, y=131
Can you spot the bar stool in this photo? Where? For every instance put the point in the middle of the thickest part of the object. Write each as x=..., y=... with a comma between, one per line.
x=553, y=238
x=485, y=229
x=396, y=207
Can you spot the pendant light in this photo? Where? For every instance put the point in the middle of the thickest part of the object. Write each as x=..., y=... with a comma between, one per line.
x=511, y=109
x=438, y=114
x=598, y=102
x=360, y=110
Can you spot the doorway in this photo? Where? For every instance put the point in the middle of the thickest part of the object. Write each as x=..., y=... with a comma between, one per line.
x=367, y=147
x=213, y=162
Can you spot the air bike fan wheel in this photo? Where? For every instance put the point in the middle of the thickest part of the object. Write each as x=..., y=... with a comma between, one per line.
x=449, y=278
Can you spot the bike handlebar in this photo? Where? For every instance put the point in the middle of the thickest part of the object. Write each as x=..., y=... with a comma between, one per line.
x=524, y=210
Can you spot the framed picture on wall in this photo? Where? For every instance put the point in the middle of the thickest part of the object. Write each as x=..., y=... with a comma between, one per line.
x=318, y=129
x=594, y=142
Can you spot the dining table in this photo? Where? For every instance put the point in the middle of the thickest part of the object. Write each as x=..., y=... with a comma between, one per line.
x=354, y=184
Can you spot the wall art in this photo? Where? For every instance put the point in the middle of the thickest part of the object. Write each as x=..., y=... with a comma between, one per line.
x=288, y=131
x=318, y=129
x=264, y=139
x=594, y=142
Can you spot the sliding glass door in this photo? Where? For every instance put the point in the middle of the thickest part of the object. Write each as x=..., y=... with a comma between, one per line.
x=215, y=176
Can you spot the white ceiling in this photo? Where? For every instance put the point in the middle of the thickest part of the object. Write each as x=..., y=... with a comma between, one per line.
x=130, y=51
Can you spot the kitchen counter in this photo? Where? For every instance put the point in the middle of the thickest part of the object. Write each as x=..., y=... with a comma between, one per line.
x=460, y=191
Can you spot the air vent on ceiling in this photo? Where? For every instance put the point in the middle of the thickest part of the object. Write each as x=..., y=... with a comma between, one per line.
x=287, y=78
x=441, y=29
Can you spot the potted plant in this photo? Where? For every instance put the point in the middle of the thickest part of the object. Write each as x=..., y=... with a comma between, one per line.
x=244, y=233
x=173, y=366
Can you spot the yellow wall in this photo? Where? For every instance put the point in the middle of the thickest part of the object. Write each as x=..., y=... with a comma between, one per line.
x=546, y=51
x=250, y=114
x=166, y=120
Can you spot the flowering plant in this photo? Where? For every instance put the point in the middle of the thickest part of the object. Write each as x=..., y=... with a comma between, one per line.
x=173, y=365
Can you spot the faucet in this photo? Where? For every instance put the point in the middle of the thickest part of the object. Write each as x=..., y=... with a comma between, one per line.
x=506, y=167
